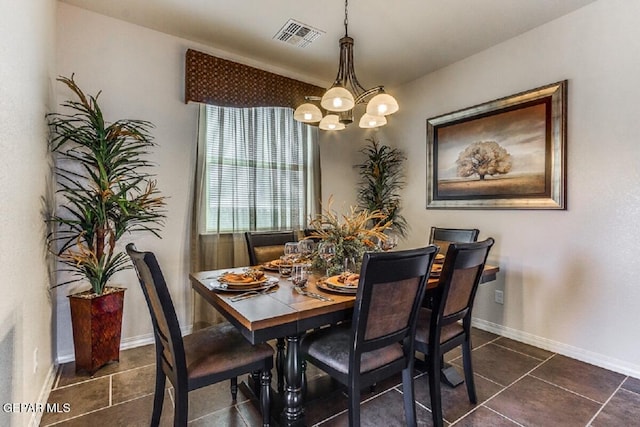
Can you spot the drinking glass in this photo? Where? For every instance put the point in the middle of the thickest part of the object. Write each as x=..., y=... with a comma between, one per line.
x=327, y=251
x=284, y=268
x=299, y=275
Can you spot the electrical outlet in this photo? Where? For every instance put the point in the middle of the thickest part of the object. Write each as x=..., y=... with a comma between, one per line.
x=35, y=360
x=499, y=296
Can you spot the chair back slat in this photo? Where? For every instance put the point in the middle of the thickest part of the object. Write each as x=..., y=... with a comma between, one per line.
x=267, y=246
x=163, y=315
x=459, y=280
x=390, y=291
x=442, y=237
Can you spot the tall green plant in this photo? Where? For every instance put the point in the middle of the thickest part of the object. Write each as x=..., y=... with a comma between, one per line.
x=381, y=179
x=101, y=176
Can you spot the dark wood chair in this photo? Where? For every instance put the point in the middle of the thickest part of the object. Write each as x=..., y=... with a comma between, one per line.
x=378, y=342
x=441, y=237
x=439, y=329
x=267, y=246
x=199, y=359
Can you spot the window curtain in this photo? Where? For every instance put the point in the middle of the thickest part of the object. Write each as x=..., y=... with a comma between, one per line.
x=218, y=238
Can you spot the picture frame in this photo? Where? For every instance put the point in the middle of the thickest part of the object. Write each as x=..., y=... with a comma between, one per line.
x=509, y=153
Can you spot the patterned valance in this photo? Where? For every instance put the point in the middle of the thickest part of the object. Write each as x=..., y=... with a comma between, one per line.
x=218, y=81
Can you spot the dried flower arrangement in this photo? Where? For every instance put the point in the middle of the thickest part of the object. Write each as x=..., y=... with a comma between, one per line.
x=353, y=234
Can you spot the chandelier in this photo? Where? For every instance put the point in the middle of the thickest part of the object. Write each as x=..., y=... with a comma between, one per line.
x=347, y=92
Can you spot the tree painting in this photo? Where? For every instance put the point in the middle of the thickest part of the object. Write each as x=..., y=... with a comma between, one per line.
x=483, y=158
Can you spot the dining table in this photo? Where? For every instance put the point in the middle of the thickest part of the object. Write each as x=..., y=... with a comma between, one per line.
x=281, y=313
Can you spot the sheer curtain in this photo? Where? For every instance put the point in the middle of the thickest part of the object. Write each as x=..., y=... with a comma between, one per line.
x=257, y=169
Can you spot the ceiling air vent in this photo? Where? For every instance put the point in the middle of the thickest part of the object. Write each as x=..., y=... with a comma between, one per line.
x=298, y=34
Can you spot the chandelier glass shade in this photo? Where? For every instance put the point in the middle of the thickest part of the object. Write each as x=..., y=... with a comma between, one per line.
x=340, y=99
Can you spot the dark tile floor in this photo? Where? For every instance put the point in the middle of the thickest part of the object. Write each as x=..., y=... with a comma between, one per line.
x=517, y=385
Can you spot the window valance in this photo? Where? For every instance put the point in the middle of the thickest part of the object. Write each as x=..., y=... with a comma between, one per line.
x=213, y=80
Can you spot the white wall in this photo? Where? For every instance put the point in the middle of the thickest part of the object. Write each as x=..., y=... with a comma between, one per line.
x=26, y=64
x=570, y=278
x=141, y=75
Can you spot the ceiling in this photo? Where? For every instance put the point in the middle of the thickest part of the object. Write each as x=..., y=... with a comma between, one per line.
x=395, y=42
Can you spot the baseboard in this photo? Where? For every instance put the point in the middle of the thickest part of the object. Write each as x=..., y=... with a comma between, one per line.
x=125, y=343
x=557, y=347
x=36, y=416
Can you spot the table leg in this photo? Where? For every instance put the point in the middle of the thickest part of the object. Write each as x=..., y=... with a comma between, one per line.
x=280, y=357
x=293, y=412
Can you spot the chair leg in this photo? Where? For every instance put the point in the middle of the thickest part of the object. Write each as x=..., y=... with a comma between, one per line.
x=265, y=397
x=234, y=389
x=434, y=389
x=158, y=396
x=181, y=412
x=354, y=405
x=409, y=396
x=468, y=371
x=255, y=379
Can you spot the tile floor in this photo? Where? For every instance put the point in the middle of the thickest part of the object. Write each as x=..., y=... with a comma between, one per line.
x=517, y=385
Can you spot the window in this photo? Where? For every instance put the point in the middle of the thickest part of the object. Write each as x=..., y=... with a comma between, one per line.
x=259, y=169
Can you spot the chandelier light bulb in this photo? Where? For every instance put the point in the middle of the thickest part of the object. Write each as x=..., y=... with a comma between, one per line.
x=368, y=121
x=382, y=104
x=307, y=113
x=337, y=99
x=331, y=122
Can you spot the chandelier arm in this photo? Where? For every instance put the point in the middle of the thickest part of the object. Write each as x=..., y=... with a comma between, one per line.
x=366, y=94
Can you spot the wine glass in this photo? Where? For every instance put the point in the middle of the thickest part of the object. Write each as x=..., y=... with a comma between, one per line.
x=327, y=251
x=306, y=248
x=291, y=252
x=299, y=275
x=350, y=265
x=389, y=243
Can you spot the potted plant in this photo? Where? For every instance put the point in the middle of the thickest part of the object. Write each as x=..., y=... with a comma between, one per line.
x=381, y=179
x=105, y=191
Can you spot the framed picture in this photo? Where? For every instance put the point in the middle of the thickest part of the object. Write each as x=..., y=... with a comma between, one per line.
x=503, y=154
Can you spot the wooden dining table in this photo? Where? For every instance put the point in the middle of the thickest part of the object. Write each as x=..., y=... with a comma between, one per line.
x=284, y=314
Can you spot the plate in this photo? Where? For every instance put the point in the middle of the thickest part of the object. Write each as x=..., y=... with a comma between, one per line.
x=239, y=280
x=329, y=288
x=231, y=288
x=274, y=265
x=436, y=269
x=333, y=282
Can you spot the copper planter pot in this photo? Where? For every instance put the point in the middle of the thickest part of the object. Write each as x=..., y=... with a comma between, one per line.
x=97, y=326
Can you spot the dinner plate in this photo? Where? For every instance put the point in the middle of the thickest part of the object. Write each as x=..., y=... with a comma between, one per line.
x=330, y=288
x=436, y=269
x=333, y=282
x=240, y=284
x=274, y=265
x=231, y=288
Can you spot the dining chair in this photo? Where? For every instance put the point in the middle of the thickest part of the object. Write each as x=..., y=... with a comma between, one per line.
x=447, y=324
x=378, y=342
x=205, y=357
x=265, y=246
x=443, y=236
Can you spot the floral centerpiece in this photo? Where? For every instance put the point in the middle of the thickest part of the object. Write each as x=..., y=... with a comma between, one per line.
x=353, y=234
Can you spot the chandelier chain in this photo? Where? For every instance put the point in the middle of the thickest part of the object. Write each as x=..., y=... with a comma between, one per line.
x=346, y=18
